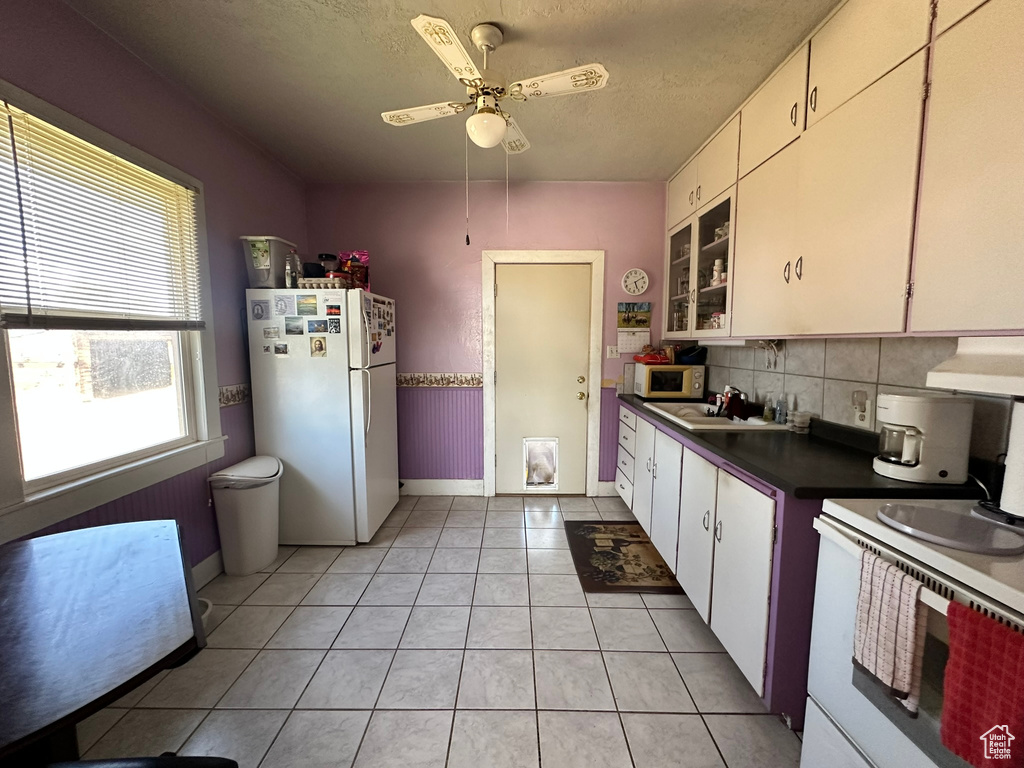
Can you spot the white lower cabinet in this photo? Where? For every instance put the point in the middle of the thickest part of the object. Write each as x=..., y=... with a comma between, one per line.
x=694, y=559
x=744, y=539
x=668, y=462
x=643, y=473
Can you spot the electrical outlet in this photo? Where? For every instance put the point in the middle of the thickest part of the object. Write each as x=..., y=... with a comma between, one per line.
x=613, y=352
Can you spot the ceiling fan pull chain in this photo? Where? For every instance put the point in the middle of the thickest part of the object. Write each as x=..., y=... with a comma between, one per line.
x=467, y=189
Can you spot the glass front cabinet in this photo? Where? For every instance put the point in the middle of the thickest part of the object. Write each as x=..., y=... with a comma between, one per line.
x=697, y=296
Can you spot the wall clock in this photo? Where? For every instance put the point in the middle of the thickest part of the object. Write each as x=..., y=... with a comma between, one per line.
x=635, y=282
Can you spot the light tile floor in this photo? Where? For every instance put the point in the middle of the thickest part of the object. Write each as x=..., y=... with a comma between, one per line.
x=459, y=637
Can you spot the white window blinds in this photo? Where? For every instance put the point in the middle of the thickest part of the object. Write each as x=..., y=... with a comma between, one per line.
x=89, y=240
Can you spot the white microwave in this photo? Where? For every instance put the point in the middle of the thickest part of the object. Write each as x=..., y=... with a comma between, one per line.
x=668, y=381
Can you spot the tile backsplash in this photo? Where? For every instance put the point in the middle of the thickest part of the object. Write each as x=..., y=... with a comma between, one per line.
x=824, y=374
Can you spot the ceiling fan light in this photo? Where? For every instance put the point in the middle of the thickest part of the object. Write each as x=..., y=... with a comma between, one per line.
x=486, y=128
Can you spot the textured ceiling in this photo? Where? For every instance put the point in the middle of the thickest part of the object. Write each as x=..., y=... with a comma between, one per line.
x=308, y=79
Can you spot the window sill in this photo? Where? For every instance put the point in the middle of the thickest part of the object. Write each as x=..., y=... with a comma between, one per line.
x=44, y=508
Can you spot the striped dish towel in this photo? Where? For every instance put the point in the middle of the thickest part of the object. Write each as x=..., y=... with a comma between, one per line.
x=891, y=625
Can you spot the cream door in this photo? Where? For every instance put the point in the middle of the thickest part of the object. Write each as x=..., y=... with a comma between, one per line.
x=858, y=45
x=542, y=359
x=681, y=195
x=744, y=535
x=858, y=178
x=764, y=285
x=668, y=466
x=698, y=494
x=775, y=116
x=643, y=473
x=717, y=163
x=969, y=274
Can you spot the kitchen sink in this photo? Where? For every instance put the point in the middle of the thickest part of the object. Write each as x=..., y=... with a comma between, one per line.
x=699, y=418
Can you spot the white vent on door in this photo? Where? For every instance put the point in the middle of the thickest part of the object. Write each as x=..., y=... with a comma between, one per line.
x=540, y=464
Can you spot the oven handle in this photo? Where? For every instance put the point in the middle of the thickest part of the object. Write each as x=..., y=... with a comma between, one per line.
x=829, y=531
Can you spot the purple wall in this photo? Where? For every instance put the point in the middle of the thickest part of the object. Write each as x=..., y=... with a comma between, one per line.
x=609, y=434
x=440, y=433
x=415, y=233
x=50, y=51
x=416, y=236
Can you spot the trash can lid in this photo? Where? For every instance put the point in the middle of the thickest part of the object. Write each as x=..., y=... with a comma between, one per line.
x=253, y=468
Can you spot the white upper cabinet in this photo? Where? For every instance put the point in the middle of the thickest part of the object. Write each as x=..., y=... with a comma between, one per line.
x=766, y=291
x=969, y=268
x=717, y=163
x=707, y=175
x=949, y=12
x=699, y=491
x=855, y=210
x=863, y=41
x=744, y=540
x=682, y=194
x=775, y=115
x=668, y=465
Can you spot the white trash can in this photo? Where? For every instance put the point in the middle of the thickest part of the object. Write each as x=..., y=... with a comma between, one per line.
x=246, y=500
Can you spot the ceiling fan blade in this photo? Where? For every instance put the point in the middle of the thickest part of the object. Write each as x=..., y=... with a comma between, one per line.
x=443, y=41
x=422, y=114
x=514, y=141
x=589, y=77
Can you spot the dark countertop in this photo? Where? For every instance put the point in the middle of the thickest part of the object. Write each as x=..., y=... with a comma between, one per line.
x=813, y=466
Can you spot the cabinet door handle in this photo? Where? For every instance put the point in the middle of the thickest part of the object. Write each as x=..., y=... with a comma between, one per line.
x=707, y=520
x=718, y=531
x=648, y=465
x=691, y=197
x=813, y=100
x=698, y=192
x=623, y=462
x=799, y=268
x=785, y=271
x=655, y=472
x=792, y=114
x=693, y=295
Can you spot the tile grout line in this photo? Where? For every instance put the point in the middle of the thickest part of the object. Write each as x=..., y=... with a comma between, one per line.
x=615, y=698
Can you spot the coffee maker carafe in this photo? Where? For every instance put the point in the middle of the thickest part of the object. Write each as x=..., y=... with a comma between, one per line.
x=923, y=438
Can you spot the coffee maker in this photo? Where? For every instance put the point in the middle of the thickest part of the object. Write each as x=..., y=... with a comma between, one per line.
x=923, y=438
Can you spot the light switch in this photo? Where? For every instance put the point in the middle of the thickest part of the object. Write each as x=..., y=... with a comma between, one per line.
x=613, y=352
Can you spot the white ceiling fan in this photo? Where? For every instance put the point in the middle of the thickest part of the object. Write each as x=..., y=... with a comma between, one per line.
x=489, y=124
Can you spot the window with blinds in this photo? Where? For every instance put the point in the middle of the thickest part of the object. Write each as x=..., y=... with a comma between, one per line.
x=89, y=240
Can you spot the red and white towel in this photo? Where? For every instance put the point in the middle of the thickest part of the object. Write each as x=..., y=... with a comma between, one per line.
x=891, y=624
x=983, y=690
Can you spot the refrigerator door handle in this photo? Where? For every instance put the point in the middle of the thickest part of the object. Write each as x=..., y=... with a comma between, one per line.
x=364, y=326
x=369, y=399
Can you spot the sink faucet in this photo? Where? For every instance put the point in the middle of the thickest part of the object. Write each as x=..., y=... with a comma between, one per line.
x=734, y=402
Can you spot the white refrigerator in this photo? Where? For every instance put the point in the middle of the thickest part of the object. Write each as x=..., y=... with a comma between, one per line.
x=324, y=402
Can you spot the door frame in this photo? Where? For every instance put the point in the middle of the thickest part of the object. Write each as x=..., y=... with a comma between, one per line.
x=490, y=260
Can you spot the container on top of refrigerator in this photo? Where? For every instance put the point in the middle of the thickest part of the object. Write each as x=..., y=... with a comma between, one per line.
x=265, y=257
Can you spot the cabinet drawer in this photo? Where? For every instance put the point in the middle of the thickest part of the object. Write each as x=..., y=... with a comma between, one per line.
x=624, y=464
x=627, y=438
x=624, y=488
x=627, y=417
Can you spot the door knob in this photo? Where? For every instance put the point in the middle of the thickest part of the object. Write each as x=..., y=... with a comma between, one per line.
x=581, y=395
x=580, y=380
